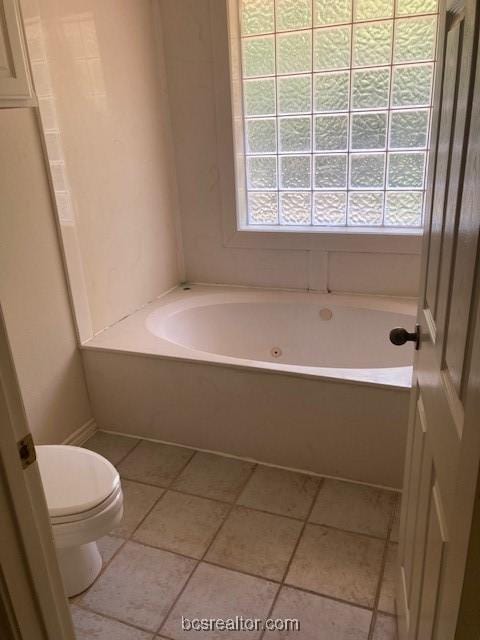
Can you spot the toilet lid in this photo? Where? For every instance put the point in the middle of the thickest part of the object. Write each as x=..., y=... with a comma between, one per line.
x=74, y=479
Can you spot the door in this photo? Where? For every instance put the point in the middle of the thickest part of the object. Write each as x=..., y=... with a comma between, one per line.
x=14, y=80
x=443, y=448
x=32, y=601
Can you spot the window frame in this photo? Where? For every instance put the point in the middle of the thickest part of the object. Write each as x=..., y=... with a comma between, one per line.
x=231, y=161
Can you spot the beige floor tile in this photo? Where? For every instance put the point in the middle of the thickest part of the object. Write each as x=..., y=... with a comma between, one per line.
x=138, y=499
x=279, y=491
x=387, y=591
x=139, y=585
x=255, y=542
x=338, y=564
x=213, y=476
x=91, y=626
x=319, y=618
x=110, y=446
x=155, y=463
x=354, y=507
x=219, y=593
x=108, y=546
x=182, y=523
x=385, y=628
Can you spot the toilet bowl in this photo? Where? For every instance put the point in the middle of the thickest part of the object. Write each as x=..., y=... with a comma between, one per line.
x=85, y=502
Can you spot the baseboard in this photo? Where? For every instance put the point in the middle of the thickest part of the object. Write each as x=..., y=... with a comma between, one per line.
x=252, y=460
x=82, y=434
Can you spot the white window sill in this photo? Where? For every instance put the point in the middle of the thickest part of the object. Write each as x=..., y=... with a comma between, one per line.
x=365, y=239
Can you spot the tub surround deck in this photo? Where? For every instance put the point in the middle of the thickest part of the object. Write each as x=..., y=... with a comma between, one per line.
x=145, y=332
x=344, y=423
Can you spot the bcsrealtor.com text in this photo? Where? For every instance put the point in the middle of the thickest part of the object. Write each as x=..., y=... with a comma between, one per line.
x=240, y=623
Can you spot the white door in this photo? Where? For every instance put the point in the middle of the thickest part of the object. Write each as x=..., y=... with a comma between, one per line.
x=443, y=447
x=32, y=600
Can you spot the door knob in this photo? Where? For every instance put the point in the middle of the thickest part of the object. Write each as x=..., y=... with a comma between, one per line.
x=399, y=336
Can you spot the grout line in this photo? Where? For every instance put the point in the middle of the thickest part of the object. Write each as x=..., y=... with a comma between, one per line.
x=150, y=484
x=165, y=486
x=149, y=511
x=327, y=596
x=212, y=563
x=378, y=591
x=389, y=544
x=270, y=513
x=175, y=478
x=110, y=617
x=353, y=533
x=249, y=574
x=145, y=484
x=382, y=570
x=395, y=515
x=137, y=444
x=214, y=537
x=305, y=523
x=176, y=599
x=294, y=550
x=165, y=549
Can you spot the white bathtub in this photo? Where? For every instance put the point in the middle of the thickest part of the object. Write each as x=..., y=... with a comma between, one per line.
x=302, y=380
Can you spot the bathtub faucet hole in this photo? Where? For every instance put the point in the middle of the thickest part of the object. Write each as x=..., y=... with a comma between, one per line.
x=276, y=352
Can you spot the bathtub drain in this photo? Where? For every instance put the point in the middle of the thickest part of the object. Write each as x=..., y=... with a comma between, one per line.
x=276, y=352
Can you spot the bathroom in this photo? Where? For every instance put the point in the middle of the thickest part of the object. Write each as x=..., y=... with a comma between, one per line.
x=239, y=288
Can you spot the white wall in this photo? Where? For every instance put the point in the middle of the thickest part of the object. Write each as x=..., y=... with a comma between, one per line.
x=33, y=290
x=98, y=71
x=193, y=36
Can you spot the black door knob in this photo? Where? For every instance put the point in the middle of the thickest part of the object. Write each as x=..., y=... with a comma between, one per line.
x=399, y=336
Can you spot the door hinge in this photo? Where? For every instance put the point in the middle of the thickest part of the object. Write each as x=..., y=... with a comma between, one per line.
x=26, y=451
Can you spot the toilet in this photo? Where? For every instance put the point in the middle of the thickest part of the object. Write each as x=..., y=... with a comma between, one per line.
x=85, y=502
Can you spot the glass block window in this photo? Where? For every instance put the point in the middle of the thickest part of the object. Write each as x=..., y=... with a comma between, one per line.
x=336, y=98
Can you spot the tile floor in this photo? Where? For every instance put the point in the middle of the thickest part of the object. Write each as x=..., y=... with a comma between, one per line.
x=208, y=536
